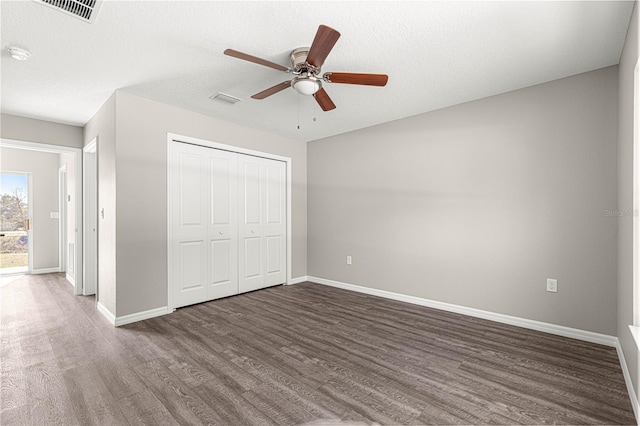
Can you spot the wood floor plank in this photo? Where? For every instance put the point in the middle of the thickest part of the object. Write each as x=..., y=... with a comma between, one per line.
x=291, y=355
x=184, y=405
x=144, y=408
x=91, y=400
x=48, y=398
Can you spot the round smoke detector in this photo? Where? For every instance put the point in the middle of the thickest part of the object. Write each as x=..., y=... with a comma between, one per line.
x=19, y=53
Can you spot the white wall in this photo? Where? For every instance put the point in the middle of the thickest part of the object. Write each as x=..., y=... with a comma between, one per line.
x=479, y=203
x=625, y=291
x=44, y=174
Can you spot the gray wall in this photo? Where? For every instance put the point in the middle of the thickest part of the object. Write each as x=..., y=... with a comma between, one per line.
x=103, y=126
x=479, y=203
x=625, y=197
x=32, y=130
x=43, y=167
x=141, y=162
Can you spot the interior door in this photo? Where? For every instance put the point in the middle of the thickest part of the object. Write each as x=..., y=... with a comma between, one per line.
x=262, y=228
x=275, y=222
x=223, y=223
x=250, y=175
x=189, y=188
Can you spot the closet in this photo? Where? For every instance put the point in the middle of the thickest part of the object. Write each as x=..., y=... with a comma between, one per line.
x=227, y=223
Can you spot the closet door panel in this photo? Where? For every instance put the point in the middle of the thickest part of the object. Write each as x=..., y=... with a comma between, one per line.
x=189, y=192
x=251, y=190
x=274, y=255
x=275, y=222
x=251, y=200
x=252, y=259
x=223, y=223
x=192, y=256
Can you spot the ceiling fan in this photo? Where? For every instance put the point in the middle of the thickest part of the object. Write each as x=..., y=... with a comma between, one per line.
x=306, y=63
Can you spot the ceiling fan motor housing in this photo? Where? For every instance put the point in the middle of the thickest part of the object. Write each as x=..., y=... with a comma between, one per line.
x=299, y=62
x=306, y=81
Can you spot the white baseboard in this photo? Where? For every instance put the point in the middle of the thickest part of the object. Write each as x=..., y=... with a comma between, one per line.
x=106, y=313
x=45, y=271
x=140, y=316
x=71, y=279
x=298, y=280
x=627, y=379
x=559, y=330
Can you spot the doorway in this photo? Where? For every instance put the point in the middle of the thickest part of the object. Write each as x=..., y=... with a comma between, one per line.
x=15, y=222
x=44, y=231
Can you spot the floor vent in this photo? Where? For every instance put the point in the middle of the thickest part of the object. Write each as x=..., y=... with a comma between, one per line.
x=86, y=10
x=225, y=99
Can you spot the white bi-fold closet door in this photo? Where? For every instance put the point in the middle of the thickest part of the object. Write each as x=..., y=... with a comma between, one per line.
x=227, y=225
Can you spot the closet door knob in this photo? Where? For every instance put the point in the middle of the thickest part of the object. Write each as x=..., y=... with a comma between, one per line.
x=221, y=232
x=253, y=231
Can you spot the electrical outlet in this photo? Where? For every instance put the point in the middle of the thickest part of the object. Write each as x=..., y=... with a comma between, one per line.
x=348, y=260
x=552, y=285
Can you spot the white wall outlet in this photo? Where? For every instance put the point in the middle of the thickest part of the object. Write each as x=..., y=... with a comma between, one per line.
x=55, y=215
x=552, y=285
x=348, y=260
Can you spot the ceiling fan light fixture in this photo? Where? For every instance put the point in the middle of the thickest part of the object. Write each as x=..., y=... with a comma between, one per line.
x=306, y=85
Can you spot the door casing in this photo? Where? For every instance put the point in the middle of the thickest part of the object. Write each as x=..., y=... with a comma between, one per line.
x=58, y=149
x=90, y=214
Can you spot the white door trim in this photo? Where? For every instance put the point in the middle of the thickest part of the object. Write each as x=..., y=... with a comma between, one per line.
x=90, y=183
x=62, y=218
x=30, y=234
x=171, y=137
x=57, y=149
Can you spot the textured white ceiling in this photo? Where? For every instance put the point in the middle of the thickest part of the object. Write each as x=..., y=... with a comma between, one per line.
x=435, y=53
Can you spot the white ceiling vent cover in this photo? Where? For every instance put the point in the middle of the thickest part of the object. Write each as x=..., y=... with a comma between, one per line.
x=85, y=10
x=224, y=98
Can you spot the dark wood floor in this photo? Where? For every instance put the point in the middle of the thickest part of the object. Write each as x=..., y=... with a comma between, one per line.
x=291, y=355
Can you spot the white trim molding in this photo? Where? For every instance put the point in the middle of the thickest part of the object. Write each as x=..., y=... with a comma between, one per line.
x=559, y=330
x=627, y=379
x=106, y=313
x=45, y=271
x=71, y=279
x=298, y=280
x=140, y=316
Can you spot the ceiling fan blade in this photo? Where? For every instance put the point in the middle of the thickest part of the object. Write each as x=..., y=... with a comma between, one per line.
x=324, y=41
x=356, y=78
x=324, y=100
x=255, y=60
x=272, y=90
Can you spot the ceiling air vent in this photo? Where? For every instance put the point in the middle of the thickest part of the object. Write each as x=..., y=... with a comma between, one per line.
x=86, y=10
x=225, y=99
